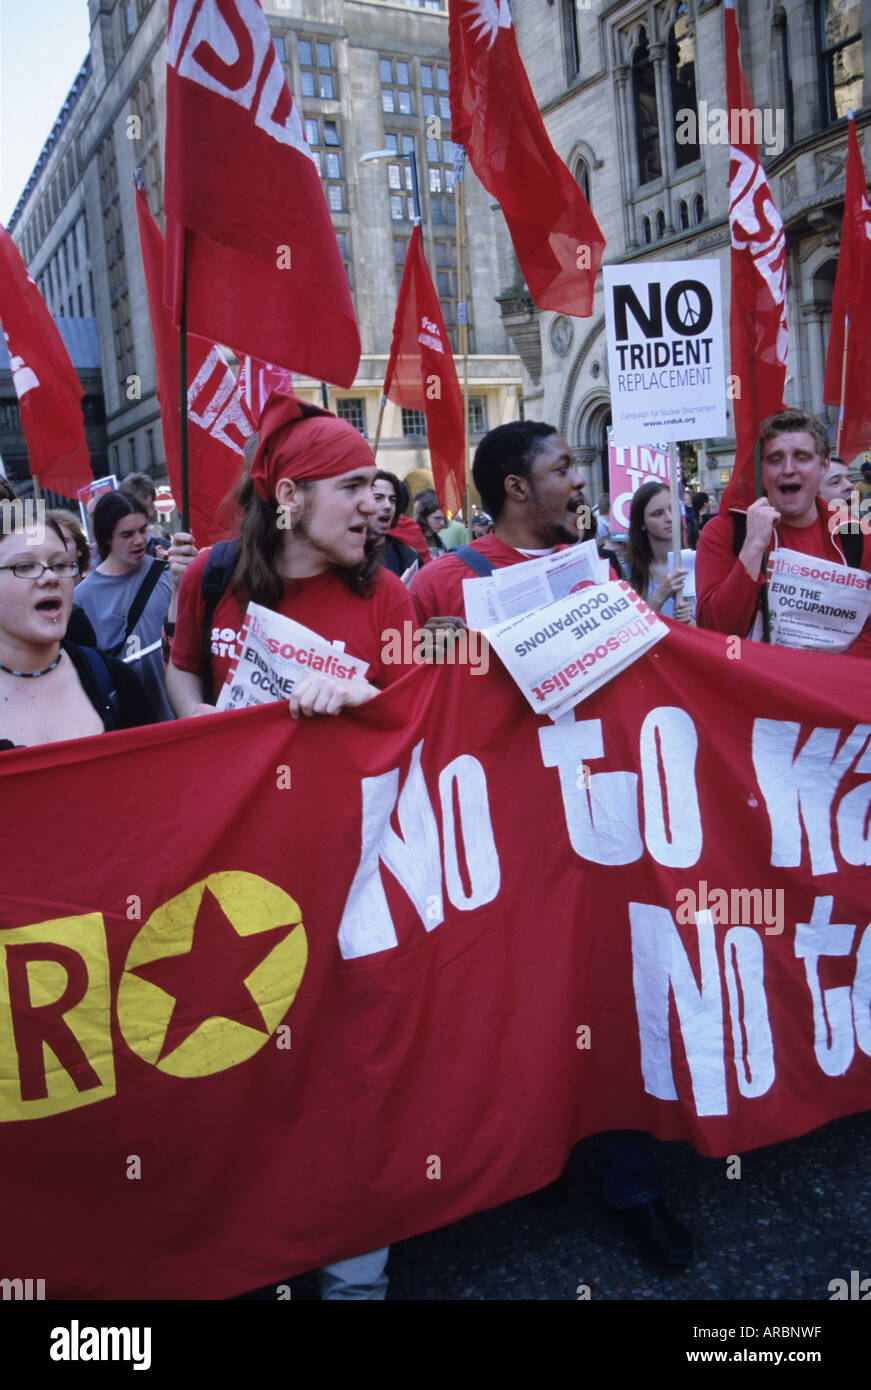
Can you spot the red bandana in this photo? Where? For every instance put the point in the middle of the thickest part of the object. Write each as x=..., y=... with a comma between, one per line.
x=303, y=442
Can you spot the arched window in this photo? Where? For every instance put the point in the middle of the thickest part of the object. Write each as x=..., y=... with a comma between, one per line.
x=660, y=225
x=645, y=231
x=698, y=208
x=646, y=117
x=683, y=215
x=841, y=65
x=582, y=178
x=682, y=77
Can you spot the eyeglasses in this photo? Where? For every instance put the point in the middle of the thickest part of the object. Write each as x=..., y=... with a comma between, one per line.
x=34, y=569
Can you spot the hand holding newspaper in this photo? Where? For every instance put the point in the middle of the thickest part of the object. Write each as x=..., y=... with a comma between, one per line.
x=560, y=654
x=276, y=654
x=815, y=604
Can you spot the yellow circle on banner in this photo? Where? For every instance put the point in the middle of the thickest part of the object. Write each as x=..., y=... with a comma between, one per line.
x=252, y=906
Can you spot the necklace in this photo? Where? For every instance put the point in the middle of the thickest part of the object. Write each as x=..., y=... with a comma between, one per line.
x=10, y=671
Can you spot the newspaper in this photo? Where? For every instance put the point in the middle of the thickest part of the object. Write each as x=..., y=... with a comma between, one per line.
x=517, y=589
x=276, y=653
x=560, y=654
x=817, y=605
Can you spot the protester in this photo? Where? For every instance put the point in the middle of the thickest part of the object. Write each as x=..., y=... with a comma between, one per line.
x=431, y=520
x=789, y=514
x=701, y=507
x=481, y=525
x=141, y=488
x=453, y=533
x=532, y=487
x=863, y=487
x=130, y=594
x=307, y=503
x=650, y=554
x=79, y=627
x=50, y=688
x=836, y=485
x=391, y=497
x=603, y=525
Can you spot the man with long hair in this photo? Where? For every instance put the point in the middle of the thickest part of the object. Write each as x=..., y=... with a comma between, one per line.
x=306, y=506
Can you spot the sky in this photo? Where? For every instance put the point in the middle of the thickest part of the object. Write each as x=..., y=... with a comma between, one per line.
x=43, y=43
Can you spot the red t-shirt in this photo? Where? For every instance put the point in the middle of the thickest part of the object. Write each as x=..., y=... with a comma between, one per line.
x=323, y=603
x=727, y=596
x=437, y=591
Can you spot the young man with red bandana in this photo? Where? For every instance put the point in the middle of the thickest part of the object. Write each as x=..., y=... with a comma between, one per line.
x=790, y=514
x=306, y=504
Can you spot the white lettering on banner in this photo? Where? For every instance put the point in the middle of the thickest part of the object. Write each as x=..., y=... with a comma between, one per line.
x=479, y=846
x=228, y=45
x=672, y=816
x=661, y=971
x=414, y=856
x=752, y=1043
x=602, y=814
x=833, y=1015
x=799, y=788
x=853, y=819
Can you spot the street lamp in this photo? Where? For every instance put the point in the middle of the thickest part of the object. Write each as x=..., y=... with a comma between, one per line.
x=375, y=156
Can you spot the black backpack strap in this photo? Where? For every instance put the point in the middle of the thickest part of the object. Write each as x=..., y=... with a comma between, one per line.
x=739, y=531
x=217, y=573
x=99, y=669
x=475, y=560
x=137, y=607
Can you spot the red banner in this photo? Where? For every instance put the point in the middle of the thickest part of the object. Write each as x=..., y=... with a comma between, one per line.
x=219, y=421
x=421, y=374
x=495, y=117
x=758, y=334
x=851, y=304
x=248, y=234
x=49, y=391
x=334, y=990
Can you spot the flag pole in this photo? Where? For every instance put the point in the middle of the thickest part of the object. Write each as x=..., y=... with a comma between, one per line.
x=378, y=426
x=766, y=614
x=842, y=412
x=462, y=314
x=183, y=389
x=676, y=547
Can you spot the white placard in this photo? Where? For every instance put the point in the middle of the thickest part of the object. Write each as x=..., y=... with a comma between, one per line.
x=664, y=326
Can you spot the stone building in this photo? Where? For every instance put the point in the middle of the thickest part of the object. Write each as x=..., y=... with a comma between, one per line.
x=615, y=82
x=367, y=75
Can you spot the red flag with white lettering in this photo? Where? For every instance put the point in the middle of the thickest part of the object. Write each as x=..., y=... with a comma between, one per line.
x=48, y=390
x=494, y=115
x=757, y=329
x=257, y=381
x=851, y=304
x=421, y=374
x=249, y=236
x=218, y=419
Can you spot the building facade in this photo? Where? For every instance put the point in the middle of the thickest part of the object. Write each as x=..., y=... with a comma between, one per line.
x=367, y=76
x=629, y=93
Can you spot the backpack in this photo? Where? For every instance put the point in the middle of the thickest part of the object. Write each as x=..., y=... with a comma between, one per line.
x=99, y=669
x=850, y=541
x=475, y=561
x=217, y=573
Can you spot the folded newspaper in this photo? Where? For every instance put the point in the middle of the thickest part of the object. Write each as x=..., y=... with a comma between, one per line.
x=276, y=653
x=817, y=605
x=560, y=654
x=516, y=589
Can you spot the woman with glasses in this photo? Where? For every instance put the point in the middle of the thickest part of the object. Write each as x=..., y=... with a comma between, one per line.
x=51, y=689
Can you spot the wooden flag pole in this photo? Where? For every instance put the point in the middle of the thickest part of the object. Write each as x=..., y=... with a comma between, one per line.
x=183, y=390
x=378, y=426
x=841, y=412
x=673, y=464
x=463, y=315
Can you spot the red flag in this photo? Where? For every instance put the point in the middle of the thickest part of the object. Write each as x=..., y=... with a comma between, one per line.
x=421, y=374
x=48, y=390
x=757, y=329
x=495, y=117
x=218, y=419
x=257, y=381
x=851, y=304
x=246, y=219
